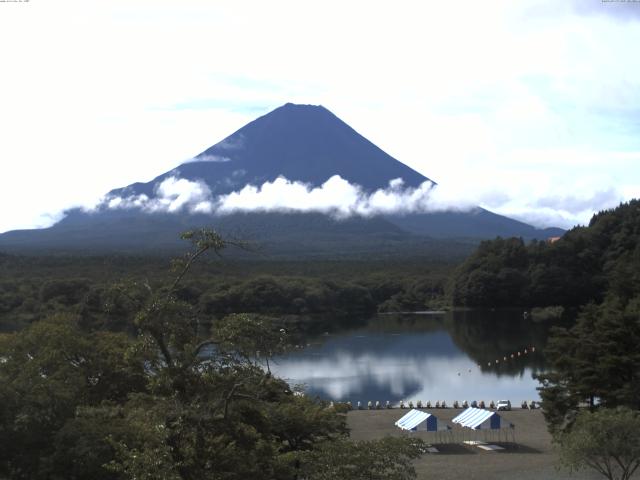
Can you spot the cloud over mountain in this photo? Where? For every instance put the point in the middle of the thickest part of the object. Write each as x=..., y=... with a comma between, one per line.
x=337, y=197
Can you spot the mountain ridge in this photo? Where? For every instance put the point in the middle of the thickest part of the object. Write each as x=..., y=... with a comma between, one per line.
x=302, y=143
x=318, y=146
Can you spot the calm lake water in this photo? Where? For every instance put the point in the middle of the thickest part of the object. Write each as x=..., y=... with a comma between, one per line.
x=449, y=357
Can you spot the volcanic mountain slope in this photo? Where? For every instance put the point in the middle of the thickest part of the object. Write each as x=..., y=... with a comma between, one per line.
x=301, y=143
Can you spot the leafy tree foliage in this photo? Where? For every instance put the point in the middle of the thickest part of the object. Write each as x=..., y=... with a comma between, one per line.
x=67, y=292
x=210, y=416
x=49, y=371
x=32, y=288
x=271, y=295
x=493, y=275
x=388, y=459
x=607, y=441
x=595, y=360
x=583, y=266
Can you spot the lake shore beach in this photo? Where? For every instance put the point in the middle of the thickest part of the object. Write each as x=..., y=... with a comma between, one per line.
x=532, y=456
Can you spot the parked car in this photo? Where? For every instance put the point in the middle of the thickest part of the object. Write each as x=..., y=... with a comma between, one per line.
x=503, y=405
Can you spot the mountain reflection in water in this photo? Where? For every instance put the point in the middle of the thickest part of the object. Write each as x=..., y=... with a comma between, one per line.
x=422, y=357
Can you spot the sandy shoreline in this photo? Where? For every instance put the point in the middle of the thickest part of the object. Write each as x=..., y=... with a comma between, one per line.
x=531, y=457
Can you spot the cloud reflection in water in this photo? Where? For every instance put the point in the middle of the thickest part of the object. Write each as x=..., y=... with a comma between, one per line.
x=407, y=366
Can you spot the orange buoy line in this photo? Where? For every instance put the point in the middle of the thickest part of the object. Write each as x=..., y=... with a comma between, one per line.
x=512, y=356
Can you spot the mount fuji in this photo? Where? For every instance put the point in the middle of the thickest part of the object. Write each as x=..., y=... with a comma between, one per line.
x=297, y=179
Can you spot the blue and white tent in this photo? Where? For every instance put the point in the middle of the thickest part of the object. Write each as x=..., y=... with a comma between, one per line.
x=480, y=419
x=416, y=420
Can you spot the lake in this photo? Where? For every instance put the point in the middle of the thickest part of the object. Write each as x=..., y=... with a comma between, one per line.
x=430, y=356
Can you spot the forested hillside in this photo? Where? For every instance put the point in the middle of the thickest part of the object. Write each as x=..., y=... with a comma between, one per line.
x=32, y=288
x=586, y=265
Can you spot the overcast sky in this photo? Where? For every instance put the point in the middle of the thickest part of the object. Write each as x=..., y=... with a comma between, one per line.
x=530, y=109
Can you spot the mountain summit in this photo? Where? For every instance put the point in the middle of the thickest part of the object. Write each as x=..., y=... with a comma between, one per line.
x=305, y=144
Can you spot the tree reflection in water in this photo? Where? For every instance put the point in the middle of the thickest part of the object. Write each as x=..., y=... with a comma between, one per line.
x=422, y=357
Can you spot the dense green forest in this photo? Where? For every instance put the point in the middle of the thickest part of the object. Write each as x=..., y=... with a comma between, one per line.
x=586, y=265
x=32, y=287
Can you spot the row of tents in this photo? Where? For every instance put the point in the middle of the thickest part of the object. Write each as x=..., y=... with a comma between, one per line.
x=473, y=419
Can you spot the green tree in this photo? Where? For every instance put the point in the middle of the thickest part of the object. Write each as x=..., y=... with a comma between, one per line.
x=251, y=336
x=595, y=360
x=494, y=275
x=47, y=372
x=212, y=410
x=607, y=441
x=386, y=459
x=587, y=264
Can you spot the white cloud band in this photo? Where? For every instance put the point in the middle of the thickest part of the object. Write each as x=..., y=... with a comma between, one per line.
x=341, y=199
x=336, y=197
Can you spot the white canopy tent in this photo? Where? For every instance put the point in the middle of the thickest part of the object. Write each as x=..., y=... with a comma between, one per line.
x=419, y=421
x=479, y=419
x=416, y=420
